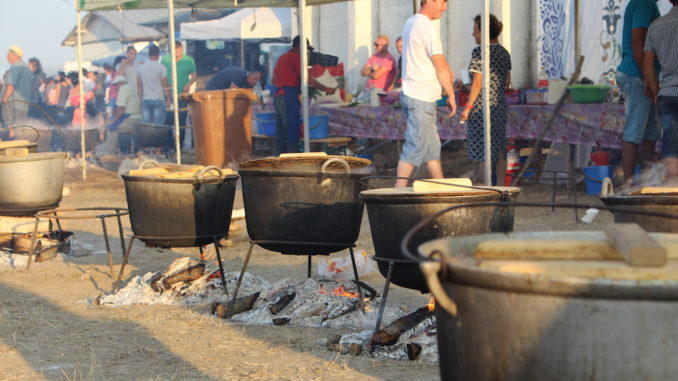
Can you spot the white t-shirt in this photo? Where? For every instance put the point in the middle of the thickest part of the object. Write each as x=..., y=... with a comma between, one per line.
x=151, y=74
x=420, y=41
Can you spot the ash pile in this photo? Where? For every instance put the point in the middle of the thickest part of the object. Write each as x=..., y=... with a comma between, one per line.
x=317, y=303
x=15, y=247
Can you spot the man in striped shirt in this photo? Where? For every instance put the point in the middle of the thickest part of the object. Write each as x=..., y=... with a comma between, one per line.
x=660, y=45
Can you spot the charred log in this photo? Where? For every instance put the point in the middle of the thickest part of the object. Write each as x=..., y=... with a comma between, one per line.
x=282, y=303
x=389, y=335
x=413, y=350
x=354, y=349
x=188, y=274
x=281, y=321
x=241, y=305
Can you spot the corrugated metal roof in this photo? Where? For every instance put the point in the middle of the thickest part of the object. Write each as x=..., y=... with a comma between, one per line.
x=127, y=24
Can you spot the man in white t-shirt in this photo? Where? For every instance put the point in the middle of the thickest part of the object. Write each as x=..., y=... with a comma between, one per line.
x=425, y=74
x=153, y=88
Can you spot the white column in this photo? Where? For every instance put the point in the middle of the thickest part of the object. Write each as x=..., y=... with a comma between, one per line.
x=175, y=93
x=78, y=24
x=485, y=44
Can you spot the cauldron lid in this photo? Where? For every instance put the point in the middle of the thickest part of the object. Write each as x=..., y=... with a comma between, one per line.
x=579, y=263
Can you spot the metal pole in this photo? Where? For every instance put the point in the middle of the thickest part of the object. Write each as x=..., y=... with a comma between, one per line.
x=304, y=75
x=577, y=31
x=78, y=24
x=175, y=93
x=485, y=50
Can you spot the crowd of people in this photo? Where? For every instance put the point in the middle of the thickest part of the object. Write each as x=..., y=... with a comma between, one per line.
x=129, y=91
x=125, y=92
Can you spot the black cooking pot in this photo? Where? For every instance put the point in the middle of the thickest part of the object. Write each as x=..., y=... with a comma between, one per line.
x=152, y=135
x=304, y=200
x=393, y=212
x=660, y=203
x=181, y=212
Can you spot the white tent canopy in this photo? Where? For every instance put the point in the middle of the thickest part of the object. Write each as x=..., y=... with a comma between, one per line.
x=250, y=23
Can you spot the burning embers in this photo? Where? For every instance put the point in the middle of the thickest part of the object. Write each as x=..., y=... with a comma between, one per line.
x=310, y=303
x=14, y=247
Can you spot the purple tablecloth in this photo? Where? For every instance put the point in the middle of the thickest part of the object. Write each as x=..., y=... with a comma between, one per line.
x=578, y=123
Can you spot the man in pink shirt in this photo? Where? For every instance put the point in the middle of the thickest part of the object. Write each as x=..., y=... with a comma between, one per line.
x=380, y=68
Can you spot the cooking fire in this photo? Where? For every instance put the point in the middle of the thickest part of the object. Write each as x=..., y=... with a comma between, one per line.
x=318, y=303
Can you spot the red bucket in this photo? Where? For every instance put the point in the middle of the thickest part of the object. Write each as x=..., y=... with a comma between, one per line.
x=600, y=158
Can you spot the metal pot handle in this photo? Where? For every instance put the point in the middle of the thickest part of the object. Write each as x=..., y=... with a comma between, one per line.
x=37, y=133
x=607, y=189
x=198, y=175
x=430, y=271
x=335, y=160
x=143, y=165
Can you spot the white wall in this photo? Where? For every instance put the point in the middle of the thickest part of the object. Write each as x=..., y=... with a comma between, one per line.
x=347, y=30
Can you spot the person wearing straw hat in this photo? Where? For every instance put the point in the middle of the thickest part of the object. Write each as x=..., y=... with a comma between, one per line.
x=16, y=92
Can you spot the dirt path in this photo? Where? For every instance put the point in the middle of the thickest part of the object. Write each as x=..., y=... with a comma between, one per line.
x=48, y=330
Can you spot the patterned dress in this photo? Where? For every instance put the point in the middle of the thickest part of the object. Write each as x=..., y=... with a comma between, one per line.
x=500, y=65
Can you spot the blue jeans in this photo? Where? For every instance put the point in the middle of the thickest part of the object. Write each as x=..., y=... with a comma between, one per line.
x=641, y=114
x=668, y=117
x=153, y=111
x=422, y=142
x=287, y=107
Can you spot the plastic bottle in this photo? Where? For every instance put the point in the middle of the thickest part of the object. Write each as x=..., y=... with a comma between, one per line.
x=543, y=79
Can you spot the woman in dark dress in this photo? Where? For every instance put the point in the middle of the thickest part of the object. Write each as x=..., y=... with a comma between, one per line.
x=500, y=67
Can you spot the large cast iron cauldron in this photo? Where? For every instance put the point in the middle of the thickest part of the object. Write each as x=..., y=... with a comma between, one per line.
x=162, y=210
x=567, y=319
x=31, y=183
x=647, y=202
x=303, y=200
x=393, y=212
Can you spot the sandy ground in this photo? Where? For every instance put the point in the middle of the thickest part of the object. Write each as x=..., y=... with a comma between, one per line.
x=49, y=330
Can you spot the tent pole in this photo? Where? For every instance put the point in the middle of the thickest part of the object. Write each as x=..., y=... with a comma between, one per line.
x=175, y=94
x=577, y=31
x=304, y=74
x=81, y=110
x=485, y=50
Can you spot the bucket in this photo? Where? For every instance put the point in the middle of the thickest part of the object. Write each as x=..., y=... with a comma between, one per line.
x=266, y=123
x=319, y=127
x=600, y=157
x=594, y=177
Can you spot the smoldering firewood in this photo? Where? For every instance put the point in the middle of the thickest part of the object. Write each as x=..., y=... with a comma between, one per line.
x=389, y=335
x=186, y=275
x=354, y=349
x=369, y=292
x=413, y=350
x=45, y=253
x=155, y=279
x=281, y=321
x=334, y=339
x=241, y=305
x=282, y=303
x=347, y=309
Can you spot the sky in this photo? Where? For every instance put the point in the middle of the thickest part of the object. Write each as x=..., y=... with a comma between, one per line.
x=38, y=27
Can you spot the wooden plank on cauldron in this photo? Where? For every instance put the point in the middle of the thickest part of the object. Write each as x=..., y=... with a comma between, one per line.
x=655, y=190
x=585, y=249
x=147, y=171
x=443, y=185
x=241, y=305
x=389, y=335
x=636, y=246
x=16, y=152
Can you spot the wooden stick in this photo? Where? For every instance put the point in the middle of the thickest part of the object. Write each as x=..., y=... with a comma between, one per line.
x=241, y=305
x=389, y=335
x=561, y=102
x=636, y=246
x=188, y=274
x=282, y=303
